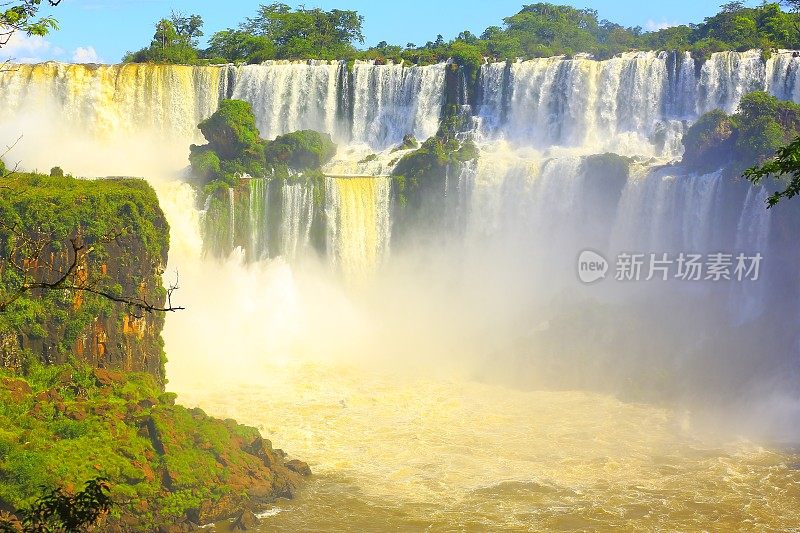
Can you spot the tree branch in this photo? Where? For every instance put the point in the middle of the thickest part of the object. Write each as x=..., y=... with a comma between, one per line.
x=32, y=248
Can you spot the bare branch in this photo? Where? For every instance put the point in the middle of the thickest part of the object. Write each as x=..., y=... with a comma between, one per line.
x=6, y=173
x=26, y=259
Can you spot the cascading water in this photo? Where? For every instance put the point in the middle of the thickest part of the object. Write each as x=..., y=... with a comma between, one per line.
x=117, y=100
x=352, y=379
x=728, y=76
x=290, y=96
x=394, y=100
x=297, y=215
x=358, y=223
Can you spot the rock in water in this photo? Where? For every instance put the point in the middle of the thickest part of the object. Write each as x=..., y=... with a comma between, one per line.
x=301, y=467
x=246, y=521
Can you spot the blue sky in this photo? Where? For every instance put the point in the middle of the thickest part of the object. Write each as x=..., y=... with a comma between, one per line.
x=102, y=30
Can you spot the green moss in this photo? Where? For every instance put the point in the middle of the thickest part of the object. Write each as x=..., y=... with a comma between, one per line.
x=300, y=150
x=420, y=176
x=68, y=428
x=60, y=208
x=762, y=124
x=234, y=147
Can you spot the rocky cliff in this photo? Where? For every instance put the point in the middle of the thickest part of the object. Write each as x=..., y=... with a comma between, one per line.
x=82, y=373
x=125, y=238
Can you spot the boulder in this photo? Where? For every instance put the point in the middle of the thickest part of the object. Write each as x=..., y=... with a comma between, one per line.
x=106, y=378
x=17, y=388
x=246, y=521
x=301, y=467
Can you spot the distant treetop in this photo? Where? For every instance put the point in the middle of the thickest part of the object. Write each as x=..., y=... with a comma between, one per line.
x=277, y=31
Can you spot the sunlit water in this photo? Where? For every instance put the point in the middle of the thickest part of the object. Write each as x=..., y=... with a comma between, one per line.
x=407, y=441
x=396, y=454
x=398, y=438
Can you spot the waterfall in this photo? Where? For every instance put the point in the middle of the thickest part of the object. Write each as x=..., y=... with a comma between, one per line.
x=537, y=121
x=394, y=100
x=575, y=102
x=748, y=301
x=231, y=218
x=727, y=76
x=667, y=212
x=258, y=211
x=114, y=100
x=297, y=216
x=289, y=95
x=634, y=103
x=357, y=210
x=547, y=185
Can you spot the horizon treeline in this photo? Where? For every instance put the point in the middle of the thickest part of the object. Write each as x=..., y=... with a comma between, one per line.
x=277, y=31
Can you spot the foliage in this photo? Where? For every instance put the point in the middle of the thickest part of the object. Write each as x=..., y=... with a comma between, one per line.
x=300, y=150
x=174, y=41
x=760, y=126
x=544, y=29
x=277, y=31
x=24, y=16
x=231, y=131
x=234, y=146
x=707, y=142
x=419, y=173
x=240, y=46
x=56, y=172
x=59, y=510
x=60, y=208
x=786, y=165
x=541, y=29
x=65, y=425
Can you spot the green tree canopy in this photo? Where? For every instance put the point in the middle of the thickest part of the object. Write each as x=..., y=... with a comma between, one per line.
x=24, y=16
x=174, y=41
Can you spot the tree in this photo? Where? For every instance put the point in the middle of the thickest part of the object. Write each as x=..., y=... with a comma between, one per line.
x=23, y=17
x=786, y=164
x=60, y=511
x=174, y=41
x=238, y=45
x=189, y=28
x=304, y=33
x=794, y=5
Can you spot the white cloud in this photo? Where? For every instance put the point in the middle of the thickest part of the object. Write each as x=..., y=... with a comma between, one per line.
x=22, y=48
x=652, y=25
x=85, y=54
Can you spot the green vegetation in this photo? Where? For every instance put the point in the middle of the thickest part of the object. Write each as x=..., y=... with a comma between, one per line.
x=102, y=238
x=24, y=17
x=761, y=126
x=306, y=33
x=175, y=41
x=60, y=510
x=304, y=150
x=786, y=166
x=421, y=173
x=64, y=425
x=277, y=31
x=234, y=148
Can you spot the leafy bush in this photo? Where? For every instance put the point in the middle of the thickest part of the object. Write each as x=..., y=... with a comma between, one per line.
x=300, y=150
x=761, y=125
